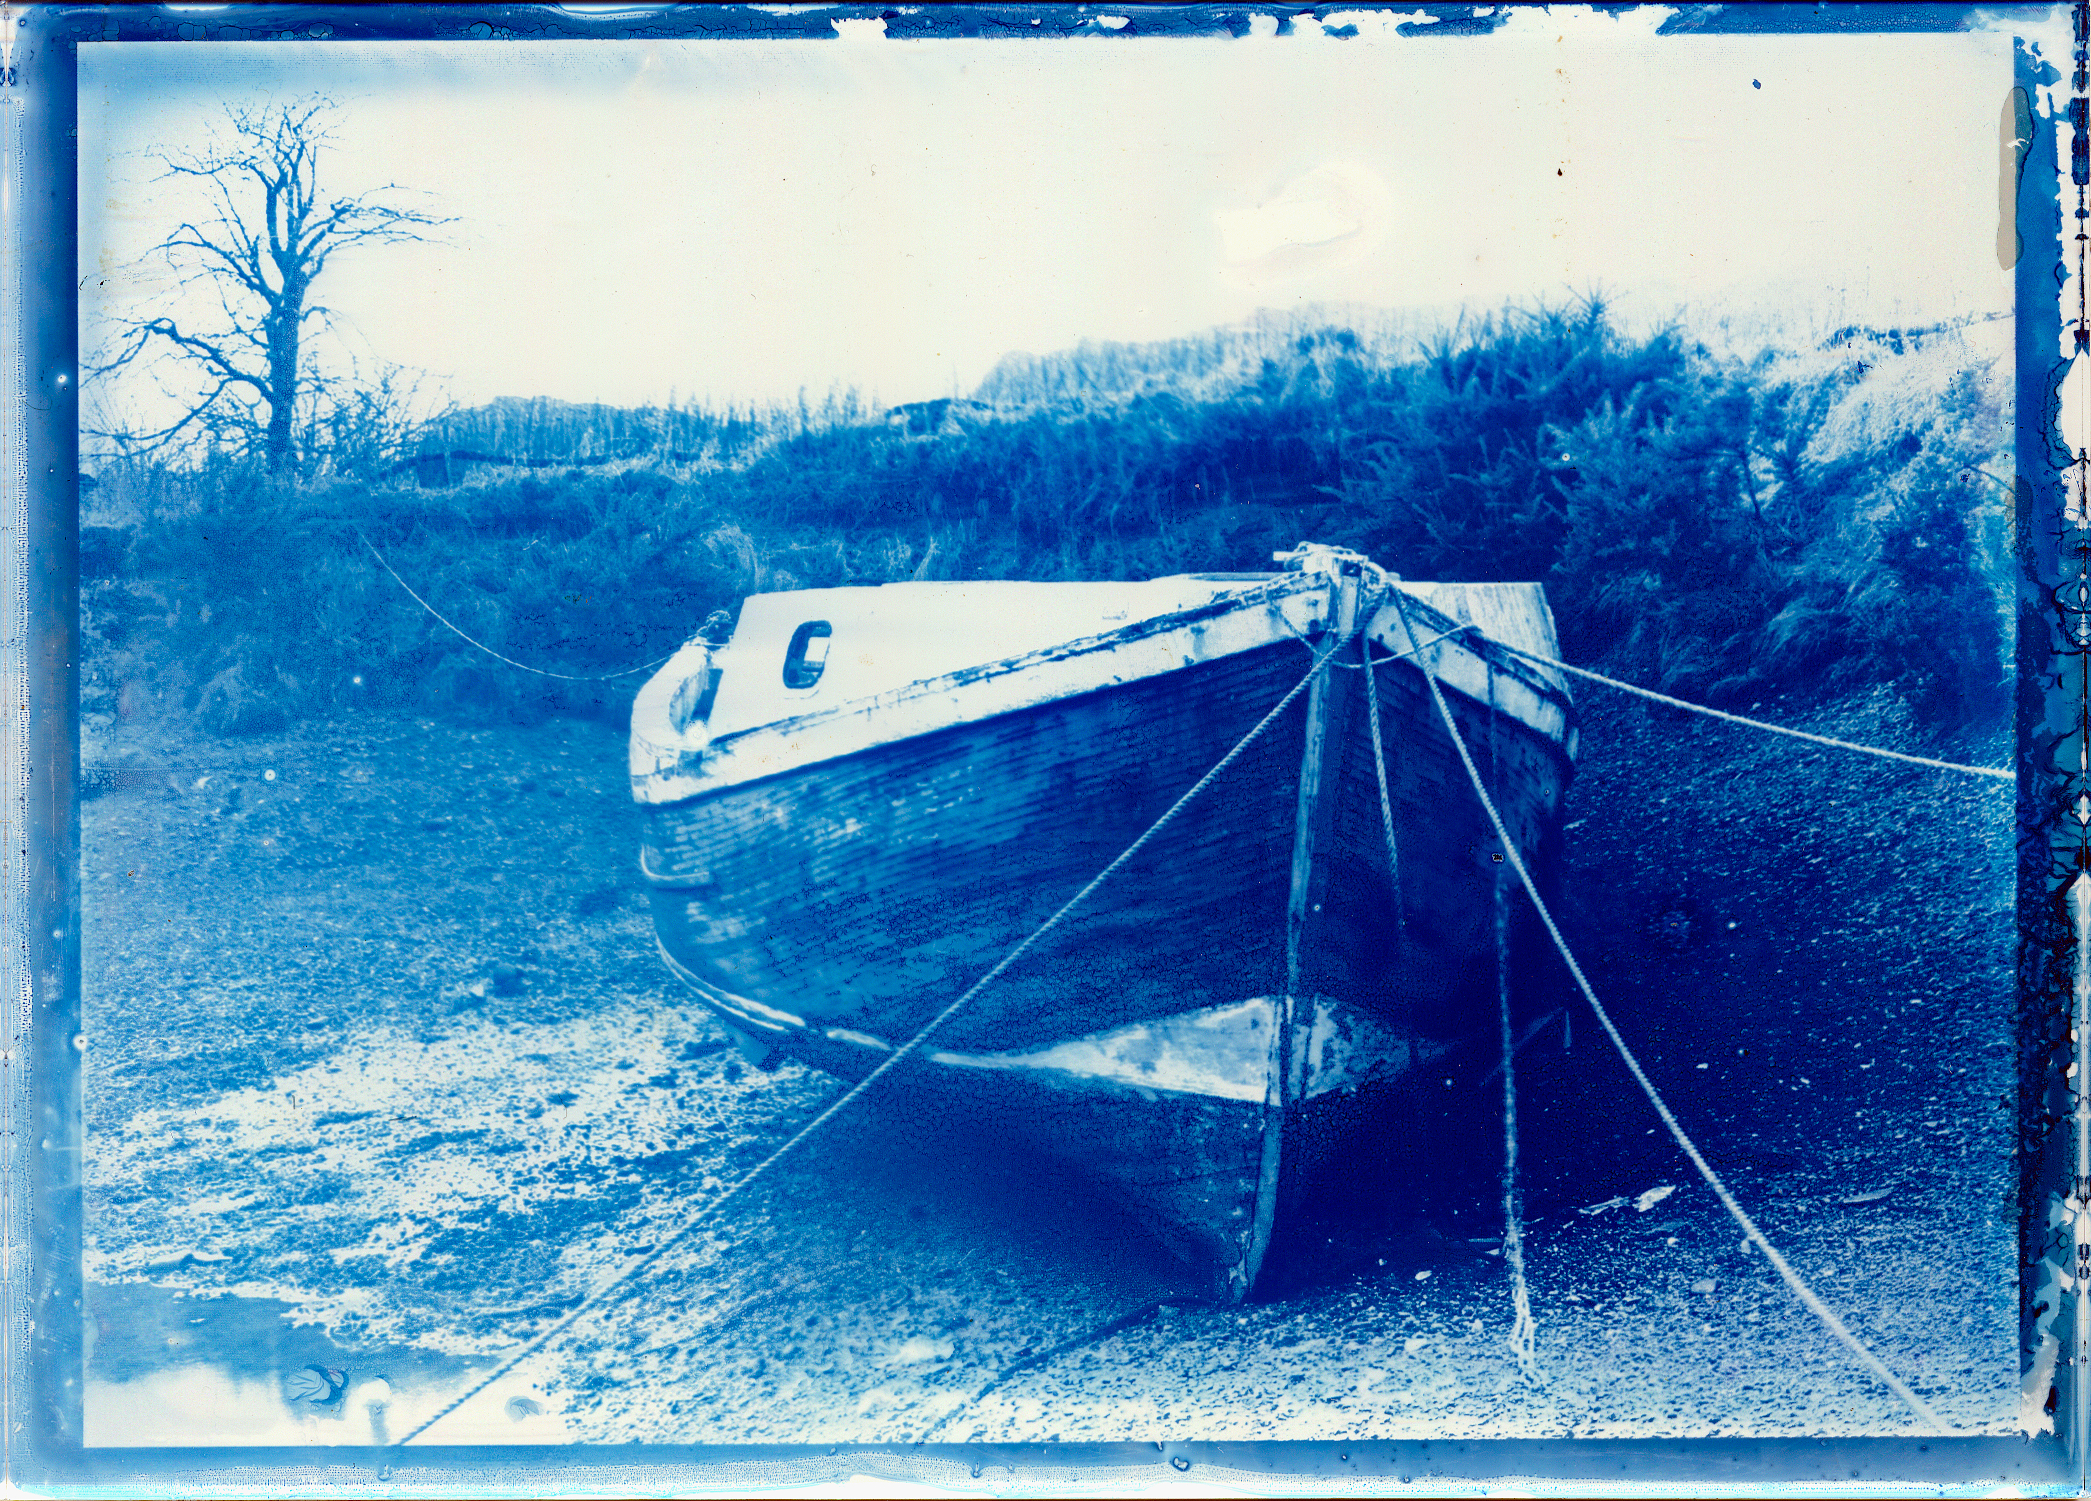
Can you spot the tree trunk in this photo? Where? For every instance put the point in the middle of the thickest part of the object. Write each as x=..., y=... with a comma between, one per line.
x=283, y=374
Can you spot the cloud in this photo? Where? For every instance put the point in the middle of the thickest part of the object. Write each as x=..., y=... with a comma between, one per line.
x=1328, y=217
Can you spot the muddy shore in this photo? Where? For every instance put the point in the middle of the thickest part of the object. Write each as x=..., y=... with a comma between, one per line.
x=383, y=1076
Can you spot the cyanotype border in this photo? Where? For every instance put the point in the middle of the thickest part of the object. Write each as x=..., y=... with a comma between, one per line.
x=42, y=1356
x=43, y=1351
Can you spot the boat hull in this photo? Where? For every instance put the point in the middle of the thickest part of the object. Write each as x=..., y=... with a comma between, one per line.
x=833, y=910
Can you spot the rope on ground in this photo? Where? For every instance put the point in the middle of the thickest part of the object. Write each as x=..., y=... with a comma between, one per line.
x=1755, y=724
x=1523, y=1339
x=905, y=1050
x=1799, y=1288
x=570, y=677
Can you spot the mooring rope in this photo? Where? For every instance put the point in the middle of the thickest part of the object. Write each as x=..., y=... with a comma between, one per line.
x=570, y=677
x=1523, y=1338
x=1366, y=665
x=1755, y=724
x=1799, y=1288
x=906, y=1049
x=1522, y=1341
x=1386, y=799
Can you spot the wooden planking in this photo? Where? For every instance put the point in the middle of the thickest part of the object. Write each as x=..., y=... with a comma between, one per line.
x=1191, y=1167
x=1446, y=847
x=869, y=893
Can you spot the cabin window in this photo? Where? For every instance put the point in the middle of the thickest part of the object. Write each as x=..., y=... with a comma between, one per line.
x=808, y=654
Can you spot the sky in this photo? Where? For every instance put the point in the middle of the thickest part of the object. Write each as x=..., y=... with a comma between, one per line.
x=736, y=221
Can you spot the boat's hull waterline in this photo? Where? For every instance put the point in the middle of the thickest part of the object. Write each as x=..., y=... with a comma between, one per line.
x=828, y=880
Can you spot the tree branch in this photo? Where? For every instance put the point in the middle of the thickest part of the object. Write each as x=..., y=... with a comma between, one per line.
x=266, y=235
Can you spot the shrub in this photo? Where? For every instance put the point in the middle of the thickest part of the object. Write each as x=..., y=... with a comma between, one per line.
x=1719, y=529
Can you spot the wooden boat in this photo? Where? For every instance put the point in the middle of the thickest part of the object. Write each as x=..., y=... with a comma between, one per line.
x=866, y=797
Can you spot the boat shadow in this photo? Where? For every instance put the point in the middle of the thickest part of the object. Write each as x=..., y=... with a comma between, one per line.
x=981, y=1193
x=1407, y=1179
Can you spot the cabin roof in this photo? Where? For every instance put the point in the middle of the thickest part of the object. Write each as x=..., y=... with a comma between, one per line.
x=886, y=636
x=817, y=673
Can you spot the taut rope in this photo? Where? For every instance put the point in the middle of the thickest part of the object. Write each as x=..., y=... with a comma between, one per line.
x=1755, y=724
x=1800, y=1289
x=570, y=677
x=906, y=1049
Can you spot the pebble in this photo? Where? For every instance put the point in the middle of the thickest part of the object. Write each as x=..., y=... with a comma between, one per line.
x=752, y=1261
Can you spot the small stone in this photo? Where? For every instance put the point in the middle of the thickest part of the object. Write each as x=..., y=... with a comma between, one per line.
x=1703, y=1285
x=918, y=1349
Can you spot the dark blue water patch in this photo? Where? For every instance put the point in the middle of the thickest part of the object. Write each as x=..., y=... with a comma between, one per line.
x=255, y=1375
x=136, y=1328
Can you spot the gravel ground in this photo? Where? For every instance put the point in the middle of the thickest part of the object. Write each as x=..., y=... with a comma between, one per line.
x=383, y=1075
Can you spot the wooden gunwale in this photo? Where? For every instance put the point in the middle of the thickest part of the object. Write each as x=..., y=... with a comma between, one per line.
x=1282, y=587
x=1462, y=637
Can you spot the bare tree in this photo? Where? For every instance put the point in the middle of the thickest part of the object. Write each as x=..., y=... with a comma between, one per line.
x=269, y=236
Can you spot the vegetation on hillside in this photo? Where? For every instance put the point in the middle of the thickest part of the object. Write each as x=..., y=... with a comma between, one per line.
x=1738, y=532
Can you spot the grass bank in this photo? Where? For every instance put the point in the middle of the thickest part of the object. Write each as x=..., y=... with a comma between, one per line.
x=1794, y=526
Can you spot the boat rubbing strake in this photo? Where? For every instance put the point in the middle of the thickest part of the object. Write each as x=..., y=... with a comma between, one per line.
x=866, y=797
